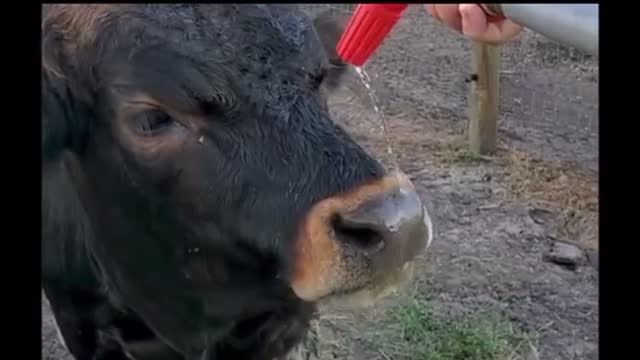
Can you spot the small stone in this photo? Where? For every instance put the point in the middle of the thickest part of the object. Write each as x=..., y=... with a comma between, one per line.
x=540, y=216
x=513, y=230
x=565, y=254
x=489, y=206
x=563, y=179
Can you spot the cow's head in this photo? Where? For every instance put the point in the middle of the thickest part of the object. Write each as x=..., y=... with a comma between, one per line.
x=192, y=147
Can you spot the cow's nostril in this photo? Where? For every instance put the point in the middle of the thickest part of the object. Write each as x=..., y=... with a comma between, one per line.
x=390, y=228
x=360, y=234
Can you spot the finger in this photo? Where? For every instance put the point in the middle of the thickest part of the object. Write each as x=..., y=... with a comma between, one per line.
x=509, y=29
x=476, y=26
x=499, y=32
x=474, y=20
x=450, y=15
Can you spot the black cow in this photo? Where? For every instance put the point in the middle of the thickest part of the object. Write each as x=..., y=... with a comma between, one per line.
x=198, y=200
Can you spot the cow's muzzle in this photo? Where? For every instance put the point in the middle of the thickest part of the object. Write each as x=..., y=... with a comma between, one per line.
x=364, y=239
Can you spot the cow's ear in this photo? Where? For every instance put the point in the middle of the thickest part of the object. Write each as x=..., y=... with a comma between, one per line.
x=65, y=103
x=64, y=121
x=330, y=25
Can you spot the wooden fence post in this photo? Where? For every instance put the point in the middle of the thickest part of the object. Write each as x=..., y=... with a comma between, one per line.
x=485, y=98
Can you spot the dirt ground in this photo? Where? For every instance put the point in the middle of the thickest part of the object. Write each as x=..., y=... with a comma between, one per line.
x=496, y=218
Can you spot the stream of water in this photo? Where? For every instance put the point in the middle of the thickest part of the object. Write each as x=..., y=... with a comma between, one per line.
x=366, y=81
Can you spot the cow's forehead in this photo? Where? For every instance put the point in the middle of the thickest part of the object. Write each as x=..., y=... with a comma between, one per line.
x=281, y=30
x=292, y=26
x=274, y=35
x=268, y=52
x=205, y=21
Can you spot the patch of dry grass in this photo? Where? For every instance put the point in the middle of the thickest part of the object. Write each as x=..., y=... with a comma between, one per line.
x=566, y=186
x=561, y=188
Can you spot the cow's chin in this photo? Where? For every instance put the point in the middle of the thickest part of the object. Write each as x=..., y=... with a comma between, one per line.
x=370, y=294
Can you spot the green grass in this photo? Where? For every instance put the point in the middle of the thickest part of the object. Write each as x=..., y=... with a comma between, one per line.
x=468, y=157
x=426, y=336
x=457, y=152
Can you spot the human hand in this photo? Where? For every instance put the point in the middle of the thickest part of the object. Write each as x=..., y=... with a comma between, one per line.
x=472, y=21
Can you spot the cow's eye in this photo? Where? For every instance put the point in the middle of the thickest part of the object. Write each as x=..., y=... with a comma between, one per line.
x=152, y=122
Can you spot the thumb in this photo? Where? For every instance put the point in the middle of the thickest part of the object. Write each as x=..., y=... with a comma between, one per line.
x=474, y=20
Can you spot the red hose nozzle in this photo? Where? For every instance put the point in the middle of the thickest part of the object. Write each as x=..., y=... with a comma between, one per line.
x=369, y=25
